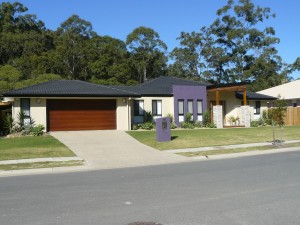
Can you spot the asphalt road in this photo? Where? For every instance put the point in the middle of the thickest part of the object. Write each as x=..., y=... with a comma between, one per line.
x=258, y=190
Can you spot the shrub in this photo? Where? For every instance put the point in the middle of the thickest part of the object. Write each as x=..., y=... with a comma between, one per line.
x=206, y=119
x=258, y=123
x=267, y=116
x=38, y=130
x=254, y=123
x=188, y=118
x=9, y=124
x=198, y=124
x=136, y=126
x=173, y=125
x=148, y=117
x=147, y=126
x=21, y=119
x=187, y=125
x=212, y=125
x=171, y=117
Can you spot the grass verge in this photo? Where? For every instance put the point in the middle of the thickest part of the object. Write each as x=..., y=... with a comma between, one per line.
x=215, y=137
x=32, y=147
x=38, y=165
x=236, y=150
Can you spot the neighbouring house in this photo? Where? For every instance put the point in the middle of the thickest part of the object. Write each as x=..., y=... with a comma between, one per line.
x=288, y=91
x=291, y=93
x=77, y=105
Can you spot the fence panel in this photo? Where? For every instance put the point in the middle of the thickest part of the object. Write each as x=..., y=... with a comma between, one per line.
x=292, y=116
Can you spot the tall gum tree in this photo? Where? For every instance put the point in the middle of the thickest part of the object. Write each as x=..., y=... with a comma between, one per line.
x=147, y=48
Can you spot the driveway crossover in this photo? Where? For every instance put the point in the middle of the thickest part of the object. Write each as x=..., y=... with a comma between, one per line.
x=114, y=149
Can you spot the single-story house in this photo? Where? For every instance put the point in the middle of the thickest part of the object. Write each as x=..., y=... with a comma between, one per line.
x=288, y=91
x=77, y=105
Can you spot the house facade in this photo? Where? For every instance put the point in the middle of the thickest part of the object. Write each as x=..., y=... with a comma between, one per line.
x=66, y=105
x=288, y=91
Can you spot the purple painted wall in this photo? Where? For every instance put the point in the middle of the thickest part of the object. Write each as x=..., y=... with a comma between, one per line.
x=189, y=93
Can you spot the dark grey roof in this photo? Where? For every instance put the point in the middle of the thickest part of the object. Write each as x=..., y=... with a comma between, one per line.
x=254, y=96
x=161, y=86
x=70, y=88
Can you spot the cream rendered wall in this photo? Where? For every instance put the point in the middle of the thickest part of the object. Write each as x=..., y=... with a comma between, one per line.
x=167, y=104
x=15, y=108
x=38, y=111
x=123, y=114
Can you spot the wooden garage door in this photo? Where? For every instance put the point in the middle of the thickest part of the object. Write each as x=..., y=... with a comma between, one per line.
x=66, y=114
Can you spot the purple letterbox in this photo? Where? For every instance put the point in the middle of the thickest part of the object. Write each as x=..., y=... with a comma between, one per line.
x=163, y=129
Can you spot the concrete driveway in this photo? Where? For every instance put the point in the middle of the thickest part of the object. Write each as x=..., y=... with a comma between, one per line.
x=114, y=149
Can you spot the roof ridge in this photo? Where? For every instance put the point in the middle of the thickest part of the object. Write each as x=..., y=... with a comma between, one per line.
x=34, y=85
x=108, y=87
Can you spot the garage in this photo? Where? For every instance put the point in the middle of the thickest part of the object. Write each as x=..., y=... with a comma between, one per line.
x=81, y=114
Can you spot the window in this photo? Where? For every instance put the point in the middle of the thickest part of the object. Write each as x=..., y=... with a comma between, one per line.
x=138, y=107
x=180, y=107
x=156, y=108
x=190, y=107
x=257, y=107
x=199, y=107
x=294, y=104
x=25, y=107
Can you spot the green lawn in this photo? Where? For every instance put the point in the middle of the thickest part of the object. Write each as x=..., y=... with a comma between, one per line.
x=237, y=150
x=215, y=137
x=32, y=147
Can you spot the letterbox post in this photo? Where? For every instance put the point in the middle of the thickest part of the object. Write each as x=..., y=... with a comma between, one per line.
x=163, y=129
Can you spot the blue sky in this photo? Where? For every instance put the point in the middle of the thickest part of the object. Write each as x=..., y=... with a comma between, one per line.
x=117, y=18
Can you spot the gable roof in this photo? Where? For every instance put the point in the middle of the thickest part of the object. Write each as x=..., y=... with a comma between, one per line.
x=70, y=88
x=254, y=96
x=287, y=91
x=161, y=86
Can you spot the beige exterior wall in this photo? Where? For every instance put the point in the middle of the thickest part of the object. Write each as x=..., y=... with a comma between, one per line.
x=38, y=111
x=123, y=114
x=166, y=102
x=15, y=108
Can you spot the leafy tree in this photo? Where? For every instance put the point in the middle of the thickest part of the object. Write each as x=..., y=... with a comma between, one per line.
x=147, y=50
x=233, y=48
x=70, y=44
x=295, y=66
x=13, y=19
x=20, y=33
x=109, y=59
x=189, y=57
x=9, y=75
x=41, y=78
x=236, y=32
